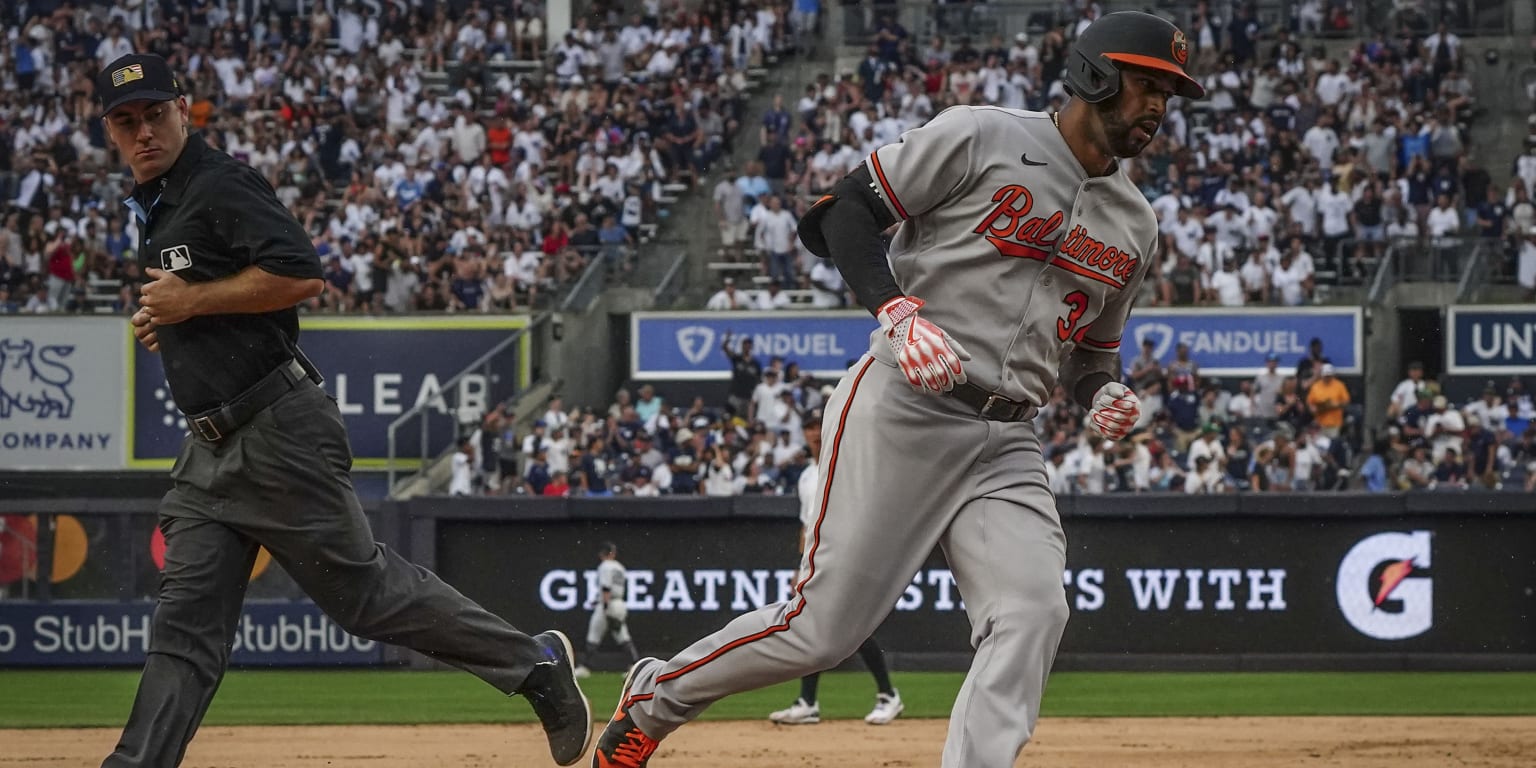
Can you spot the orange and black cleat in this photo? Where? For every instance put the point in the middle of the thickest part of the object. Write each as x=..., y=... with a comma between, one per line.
x=622, y=744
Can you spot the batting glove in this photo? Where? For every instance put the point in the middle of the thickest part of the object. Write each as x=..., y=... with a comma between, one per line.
x=1115, y=410
x=927, y=355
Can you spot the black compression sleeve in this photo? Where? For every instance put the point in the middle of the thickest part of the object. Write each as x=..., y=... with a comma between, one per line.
x=1088, y=386
x=853, y=238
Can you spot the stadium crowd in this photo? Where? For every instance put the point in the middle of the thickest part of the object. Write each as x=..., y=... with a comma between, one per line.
x=1296, y=172
x=1290, y=428
x=433, y=171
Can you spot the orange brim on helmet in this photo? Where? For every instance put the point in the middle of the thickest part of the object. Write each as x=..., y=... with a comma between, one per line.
x=1187, y=86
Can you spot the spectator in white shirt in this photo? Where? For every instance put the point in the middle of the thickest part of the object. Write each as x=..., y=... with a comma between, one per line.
x=728, y=298
x=1227, y=285
x=1406, y=393
x=1443, y=222
x=1240, y=406
x=1301, y=205
x=461, y=482
x=1205, y=477
x=1321, y=141
x=1293, y=286
x=114, y=46
x=827, y=285
x=1255, y=275
x=1185, y=232
x=773, y=298
x=776, y=239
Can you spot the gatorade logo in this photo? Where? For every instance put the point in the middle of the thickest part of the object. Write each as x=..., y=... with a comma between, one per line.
x=1382, y=588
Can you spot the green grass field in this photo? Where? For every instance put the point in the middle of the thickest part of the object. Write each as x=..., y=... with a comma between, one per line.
x=38, y=699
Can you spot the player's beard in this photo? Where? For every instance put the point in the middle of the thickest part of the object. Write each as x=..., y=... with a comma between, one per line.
x=1122, y=136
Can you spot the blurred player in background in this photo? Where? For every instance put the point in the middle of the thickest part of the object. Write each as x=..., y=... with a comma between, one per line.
x=610, y=610
x=806, y=710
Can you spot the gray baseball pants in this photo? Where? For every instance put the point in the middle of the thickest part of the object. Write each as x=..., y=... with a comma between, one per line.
x=903, y=471
x=283, y=481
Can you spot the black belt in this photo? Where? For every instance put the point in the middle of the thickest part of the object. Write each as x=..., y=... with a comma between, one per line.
x=216, y=424
x=992, y=406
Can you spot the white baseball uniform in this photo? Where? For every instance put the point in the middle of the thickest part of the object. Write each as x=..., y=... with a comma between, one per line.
x=610, y=616
x=1032, y=265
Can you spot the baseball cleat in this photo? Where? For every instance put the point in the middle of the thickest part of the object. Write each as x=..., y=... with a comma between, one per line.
x=557, y=699
x=798, y=713
x=622, y=744
x=887, y=707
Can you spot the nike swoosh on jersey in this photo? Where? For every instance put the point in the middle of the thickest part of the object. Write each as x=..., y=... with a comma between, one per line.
x=1024, y=158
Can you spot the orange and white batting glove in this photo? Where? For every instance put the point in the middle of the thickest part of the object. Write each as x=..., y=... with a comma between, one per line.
x=1115, y=410
x=927, y=355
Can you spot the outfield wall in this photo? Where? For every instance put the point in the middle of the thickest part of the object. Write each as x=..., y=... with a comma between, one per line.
x=1436, y=581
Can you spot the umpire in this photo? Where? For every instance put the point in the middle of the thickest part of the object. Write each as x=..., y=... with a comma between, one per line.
x=267, y=462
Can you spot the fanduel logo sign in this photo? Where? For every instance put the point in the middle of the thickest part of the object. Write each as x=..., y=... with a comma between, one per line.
x=695, y=342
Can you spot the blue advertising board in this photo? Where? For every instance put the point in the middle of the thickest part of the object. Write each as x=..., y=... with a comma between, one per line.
x=375, y=368
x=686, y=345
x=1226, y=342
x=278, y=633
x=1491, y=340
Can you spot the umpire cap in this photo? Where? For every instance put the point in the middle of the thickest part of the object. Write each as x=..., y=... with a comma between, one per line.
x=1127, y=38
x=135, y=77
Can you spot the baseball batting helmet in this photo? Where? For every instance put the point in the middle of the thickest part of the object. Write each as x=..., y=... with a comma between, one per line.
x=1127, y=38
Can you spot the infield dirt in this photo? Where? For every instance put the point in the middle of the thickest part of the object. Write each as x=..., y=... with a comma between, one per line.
x=1355, y=742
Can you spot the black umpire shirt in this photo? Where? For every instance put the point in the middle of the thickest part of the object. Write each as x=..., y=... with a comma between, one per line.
x=207, y=218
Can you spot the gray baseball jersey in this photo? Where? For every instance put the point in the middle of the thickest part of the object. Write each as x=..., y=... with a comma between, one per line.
x=1032, y=265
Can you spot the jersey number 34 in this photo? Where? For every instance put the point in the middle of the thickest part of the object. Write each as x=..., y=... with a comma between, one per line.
x=1066, y=327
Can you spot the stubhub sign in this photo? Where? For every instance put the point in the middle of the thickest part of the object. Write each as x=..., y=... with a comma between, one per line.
x=688, y=345
x=101, y=633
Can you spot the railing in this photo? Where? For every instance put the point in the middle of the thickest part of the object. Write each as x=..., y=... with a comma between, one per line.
x=673, y=282
x=1362, y=17
x=588, y=287
x=501, y=368
x=1475, y=276
x=978, y=21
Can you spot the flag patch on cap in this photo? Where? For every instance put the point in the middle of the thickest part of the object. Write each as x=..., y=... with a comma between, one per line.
x=127, y=75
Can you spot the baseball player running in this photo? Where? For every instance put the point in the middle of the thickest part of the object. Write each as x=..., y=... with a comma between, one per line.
x=806, y=710
x=1021, y=246
x=610, y=610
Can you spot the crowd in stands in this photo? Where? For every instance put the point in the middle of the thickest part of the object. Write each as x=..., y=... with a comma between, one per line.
x=1297, y=171
x=1293, y=427
x=435, y=171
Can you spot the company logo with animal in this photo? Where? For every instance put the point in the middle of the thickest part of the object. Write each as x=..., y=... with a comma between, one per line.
x=35, y=381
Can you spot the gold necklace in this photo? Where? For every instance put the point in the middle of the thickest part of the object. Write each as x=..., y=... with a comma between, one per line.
x=1056, y=120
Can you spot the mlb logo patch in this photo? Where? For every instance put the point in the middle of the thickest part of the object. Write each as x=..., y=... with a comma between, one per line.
x=175, y=258
x=127, y=75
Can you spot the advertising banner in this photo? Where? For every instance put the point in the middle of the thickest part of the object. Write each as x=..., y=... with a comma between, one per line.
x=1235, y=342
x=91, y=633
x=1232, y=585
x=62, y=393
x=377, y=369
x=1491, y=340
x=687, y=345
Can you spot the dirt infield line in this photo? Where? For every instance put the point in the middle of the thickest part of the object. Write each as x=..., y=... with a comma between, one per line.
x=1346, y=742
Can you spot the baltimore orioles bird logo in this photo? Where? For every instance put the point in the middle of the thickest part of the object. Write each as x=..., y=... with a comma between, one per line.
x=1180, y=47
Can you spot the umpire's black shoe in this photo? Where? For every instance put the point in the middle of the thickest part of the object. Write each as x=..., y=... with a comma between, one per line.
x=556, y=698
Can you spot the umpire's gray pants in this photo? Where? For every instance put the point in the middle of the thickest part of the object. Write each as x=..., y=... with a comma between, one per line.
x=282, y=481
x=901, y=472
